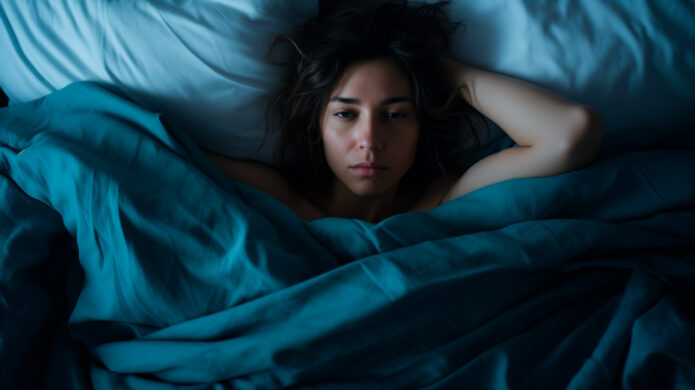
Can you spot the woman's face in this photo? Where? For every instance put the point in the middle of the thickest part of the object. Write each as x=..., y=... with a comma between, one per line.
x=369, y=127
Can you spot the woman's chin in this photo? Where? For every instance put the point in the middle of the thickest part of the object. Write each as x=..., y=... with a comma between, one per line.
x=369, y=189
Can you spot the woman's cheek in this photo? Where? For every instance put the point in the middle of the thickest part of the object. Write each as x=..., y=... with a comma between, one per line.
x=333, y=149
x=337, y=139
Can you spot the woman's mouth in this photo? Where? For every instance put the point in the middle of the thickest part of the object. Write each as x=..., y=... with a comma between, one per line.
x=369, y=169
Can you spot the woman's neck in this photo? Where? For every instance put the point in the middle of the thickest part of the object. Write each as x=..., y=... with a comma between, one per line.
x=336, y=200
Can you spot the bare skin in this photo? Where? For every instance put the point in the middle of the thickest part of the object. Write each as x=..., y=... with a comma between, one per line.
x=370, y=119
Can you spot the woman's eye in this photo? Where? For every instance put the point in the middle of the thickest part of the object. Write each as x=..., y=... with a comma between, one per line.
x=344, y=115
x=395, y=115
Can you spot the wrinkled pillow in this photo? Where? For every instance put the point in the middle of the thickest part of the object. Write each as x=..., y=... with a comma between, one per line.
x=200, y=63
x=632, y=60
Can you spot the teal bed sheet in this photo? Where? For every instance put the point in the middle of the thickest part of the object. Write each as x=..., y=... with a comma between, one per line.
x=127, y=260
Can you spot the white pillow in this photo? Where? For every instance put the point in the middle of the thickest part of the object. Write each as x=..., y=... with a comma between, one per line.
x=201, y=63
x=632, y=60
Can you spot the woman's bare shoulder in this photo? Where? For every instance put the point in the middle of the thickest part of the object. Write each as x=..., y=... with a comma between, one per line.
x=434, y=193
x=269, y=180
x=307, y=208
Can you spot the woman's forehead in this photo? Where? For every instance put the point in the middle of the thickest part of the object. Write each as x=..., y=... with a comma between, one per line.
x=373, y=81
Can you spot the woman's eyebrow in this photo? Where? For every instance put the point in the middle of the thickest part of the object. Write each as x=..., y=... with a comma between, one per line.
x=386, y=102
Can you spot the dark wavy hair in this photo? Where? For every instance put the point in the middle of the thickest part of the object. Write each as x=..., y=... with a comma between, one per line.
x=415, y=38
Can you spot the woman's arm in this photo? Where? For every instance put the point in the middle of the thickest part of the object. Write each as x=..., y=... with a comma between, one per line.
x=554, y=135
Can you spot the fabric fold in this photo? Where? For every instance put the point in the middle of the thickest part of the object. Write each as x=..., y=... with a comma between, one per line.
x=191, y=279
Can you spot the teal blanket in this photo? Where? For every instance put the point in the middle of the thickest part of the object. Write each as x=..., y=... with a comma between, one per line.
x=127, y=260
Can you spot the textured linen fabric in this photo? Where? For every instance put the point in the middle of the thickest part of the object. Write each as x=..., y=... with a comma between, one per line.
x=127, y=260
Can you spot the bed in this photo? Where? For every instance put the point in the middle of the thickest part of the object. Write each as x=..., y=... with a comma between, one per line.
x=127, y=260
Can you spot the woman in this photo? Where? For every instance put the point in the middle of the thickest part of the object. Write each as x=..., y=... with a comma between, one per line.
x=373, y=112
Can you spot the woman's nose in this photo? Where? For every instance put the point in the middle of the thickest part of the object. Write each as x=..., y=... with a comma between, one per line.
x=370, y=136
x=375, y=147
